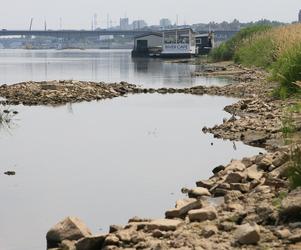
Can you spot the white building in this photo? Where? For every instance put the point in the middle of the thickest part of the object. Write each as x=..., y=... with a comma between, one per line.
x=179, y=43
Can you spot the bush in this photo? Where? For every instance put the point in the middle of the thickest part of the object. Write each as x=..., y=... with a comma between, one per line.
x=294, y=171
x=287, y=71
x=227, y=50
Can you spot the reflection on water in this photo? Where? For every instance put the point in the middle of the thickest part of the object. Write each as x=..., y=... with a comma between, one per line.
x=105, y=162
x=96, y=65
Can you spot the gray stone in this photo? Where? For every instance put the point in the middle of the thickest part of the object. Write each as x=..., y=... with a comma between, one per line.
x=291, y=205
x=247, y=234
x=205, y=184
x=164, y=224
x=203, y=214
x=182, y=208
x=198, y=192
x=234, y=177
x=209, y=230
x=253, y=173
x=70, y=228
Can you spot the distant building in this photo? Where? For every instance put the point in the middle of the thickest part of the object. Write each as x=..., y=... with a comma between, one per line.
x=299, y=19
x=124, y=23
x=139, y=24
x=165, y=23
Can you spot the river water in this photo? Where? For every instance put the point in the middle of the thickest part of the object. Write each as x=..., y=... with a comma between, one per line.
x=103, y=161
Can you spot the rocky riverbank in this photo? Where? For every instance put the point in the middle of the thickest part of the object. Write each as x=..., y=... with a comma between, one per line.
x=247, y=204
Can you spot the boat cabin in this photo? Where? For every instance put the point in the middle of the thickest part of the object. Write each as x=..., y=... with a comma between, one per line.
x=147, y=45
x=204, y=43
x=179, y=43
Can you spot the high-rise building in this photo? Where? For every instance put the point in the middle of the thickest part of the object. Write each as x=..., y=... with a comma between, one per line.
x=165, y=23
x=299, y=19
x=139, y=24
x=124, y=23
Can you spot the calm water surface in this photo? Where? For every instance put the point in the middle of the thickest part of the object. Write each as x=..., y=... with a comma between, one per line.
x=96, y=65
x=104, y=161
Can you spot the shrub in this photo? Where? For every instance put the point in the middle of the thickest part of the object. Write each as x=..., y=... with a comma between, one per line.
x=227, y=50
x=287, y=71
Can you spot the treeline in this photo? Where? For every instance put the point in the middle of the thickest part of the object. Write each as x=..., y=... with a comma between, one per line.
x=234, y=25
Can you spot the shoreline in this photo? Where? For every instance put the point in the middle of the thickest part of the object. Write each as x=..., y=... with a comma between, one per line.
x=248, y=218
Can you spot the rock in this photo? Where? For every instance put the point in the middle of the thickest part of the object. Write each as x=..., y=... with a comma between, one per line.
x=209, y=230
x=205, y=184
x=157, y=233
x=218, y=169
x=279, y=158
x=203, y=214
x=243, y=187
x=255, y=138
x=291, y=206
x=125, y=235
x=234, y=207
x=253, y=173
x=111, y=240
x=226, y=226
x=236, y=166
x=234, y=177
x=265, y=162
x=70, y=228
x=115, y=228
x=68, y=245
x=198, y=192
x=164, y=224
x=283, y=234
x=247, y=234
x=232, y=196
x=90, y=243
x=182, y=208
x=296, y=237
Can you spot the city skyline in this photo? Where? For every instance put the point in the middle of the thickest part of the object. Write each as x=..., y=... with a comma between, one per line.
x=80, y=14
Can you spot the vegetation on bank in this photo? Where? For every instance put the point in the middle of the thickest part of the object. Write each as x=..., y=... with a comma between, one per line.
x=277, y=49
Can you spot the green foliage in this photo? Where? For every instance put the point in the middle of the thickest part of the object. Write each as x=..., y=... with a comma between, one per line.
x=257, y=52
x=277, y=201
x=294, y=171
x=287, y=71
x=226, y=51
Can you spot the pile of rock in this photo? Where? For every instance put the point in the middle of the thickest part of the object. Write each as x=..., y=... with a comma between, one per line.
x=236, y=208
x=61, y=92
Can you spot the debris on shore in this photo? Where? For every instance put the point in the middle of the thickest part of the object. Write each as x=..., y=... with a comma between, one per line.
x=10, y=173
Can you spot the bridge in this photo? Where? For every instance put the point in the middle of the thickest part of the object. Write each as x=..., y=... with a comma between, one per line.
x=90, y=33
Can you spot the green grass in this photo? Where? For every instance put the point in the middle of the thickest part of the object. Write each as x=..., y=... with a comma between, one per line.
x=294, y=171
x=287, y=71
x=226, y=51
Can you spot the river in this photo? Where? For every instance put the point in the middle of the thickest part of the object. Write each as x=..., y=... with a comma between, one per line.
x=103, y=161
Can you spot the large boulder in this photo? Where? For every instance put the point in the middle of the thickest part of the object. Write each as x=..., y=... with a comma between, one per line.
x=71, y=228
x=291, y=206
x=203, y=214
x=247, y=234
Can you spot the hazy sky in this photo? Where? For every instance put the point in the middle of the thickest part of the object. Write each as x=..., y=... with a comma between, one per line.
x=16, y=14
